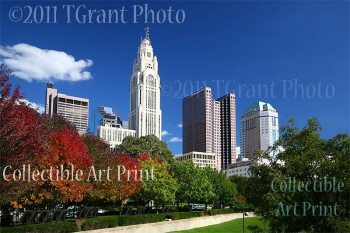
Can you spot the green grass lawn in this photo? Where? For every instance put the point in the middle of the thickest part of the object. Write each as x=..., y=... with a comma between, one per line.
x=234, y=226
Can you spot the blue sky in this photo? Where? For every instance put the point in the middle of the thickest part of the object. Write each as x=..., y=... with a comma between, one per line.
x=299, y=50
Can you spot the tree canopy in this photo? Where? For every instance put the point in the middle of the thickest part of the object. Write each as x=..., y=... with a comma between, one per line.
x=306, y=184
x=149, y=144
x=158, y=183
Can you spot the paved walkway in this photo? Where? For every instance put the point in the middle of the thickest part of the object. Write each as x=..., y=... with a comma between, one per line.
x=176, y=225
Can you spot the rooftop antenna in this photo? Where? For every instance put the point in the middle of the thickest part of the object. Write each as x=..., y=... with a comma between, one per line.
x=147, y=33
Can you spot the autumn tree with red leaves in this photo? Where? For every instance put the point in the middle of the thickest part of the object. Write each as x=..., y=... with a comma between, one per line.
x=67, y=155
x=50, y=146
x=115, y=177
x=21, y=139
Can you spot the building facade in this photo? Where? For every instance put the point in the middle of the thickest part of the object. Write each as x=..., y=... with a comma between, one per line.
x=200, y=122
x=242, y=168
x=200, y=159
x=114, y=135
x=228, y=129
x=145, y=116
x=258, y=128
x=103, y=115
x=209, y=125
x=74, y=109
x=239, y=169
x=105, y=123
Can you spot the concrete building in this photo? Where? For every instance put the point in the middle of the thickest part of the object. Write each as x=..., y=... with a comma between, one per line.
x=105, y=123
x=103, y=115
x=114, y=135
x=74, y=109
x=145, y=116
x=239, y=169
x=209, y=125
x=258, y=128
x=199, y=159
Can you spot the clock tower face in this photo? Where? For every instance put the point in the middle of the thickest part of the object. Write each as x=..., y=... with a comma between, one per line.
x=145, y=115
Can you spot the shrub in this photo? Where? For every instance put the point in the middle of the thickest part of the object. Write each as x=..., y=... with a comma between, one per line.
x=53, y=227
x=184, y=215
x=255, y=229
x=139, y=219
x=220, y=211
x=100, y=222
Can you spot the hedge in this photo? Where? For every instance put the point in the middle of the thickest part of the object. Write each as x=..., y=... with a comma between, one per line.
x=106, y=222
x=184, y=215
x=221, y=211
x=59, y=227
x=100, y=222
x=126, y=220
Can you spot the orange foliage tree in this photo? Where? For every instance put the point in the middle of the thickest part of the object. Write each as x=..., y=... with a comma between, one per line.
x=69, y=165
x=63, y=168
x=115, y=177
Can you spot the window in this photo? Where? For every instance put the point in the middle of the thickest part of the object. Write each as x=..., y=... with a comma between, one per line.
x=140, y=95
x=148, y=54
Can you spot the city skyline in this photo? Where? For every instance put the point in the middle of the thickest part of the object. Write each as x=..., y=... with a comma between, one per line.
x=288, y=54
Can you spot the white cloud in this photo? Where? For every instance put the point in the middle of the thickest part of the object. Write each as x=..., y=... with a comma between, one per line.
x=175, y=139
x=165, y=133
x=38, y=107
x=180, y=125
x=31, y=63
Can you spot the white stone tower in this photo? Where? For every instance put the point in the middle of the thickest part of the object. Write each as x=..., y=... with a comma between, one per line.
x=145, y=115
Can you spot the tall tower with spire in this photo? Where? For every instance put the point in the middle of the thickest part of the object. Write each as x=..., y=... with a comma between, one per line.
x=145, y=115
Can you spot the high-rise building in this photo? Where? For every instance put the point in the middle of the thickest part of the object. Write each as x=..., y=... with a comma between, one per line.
x=208, y=125
x=200, y=122
x=105, y=123
x=228, y=129
x=145, y=116
x=74, y=109
x=258, y=128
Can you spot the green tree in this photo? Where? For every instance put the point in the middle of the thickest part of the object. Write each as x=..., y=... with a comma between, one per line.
x=241, y=183
x=158, y=184
x=228, y=193
x=95, y=145
x=305, y=186
x=149, y=144
x=193, y=184
x=224, y=191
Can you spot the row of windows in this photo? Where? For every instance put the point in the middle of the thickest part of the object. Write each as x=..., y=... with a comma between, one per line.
x=71, y=101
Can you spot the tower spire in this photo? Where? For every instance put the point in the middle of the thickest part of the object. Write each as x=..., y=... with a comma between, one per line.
x=147, y=33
